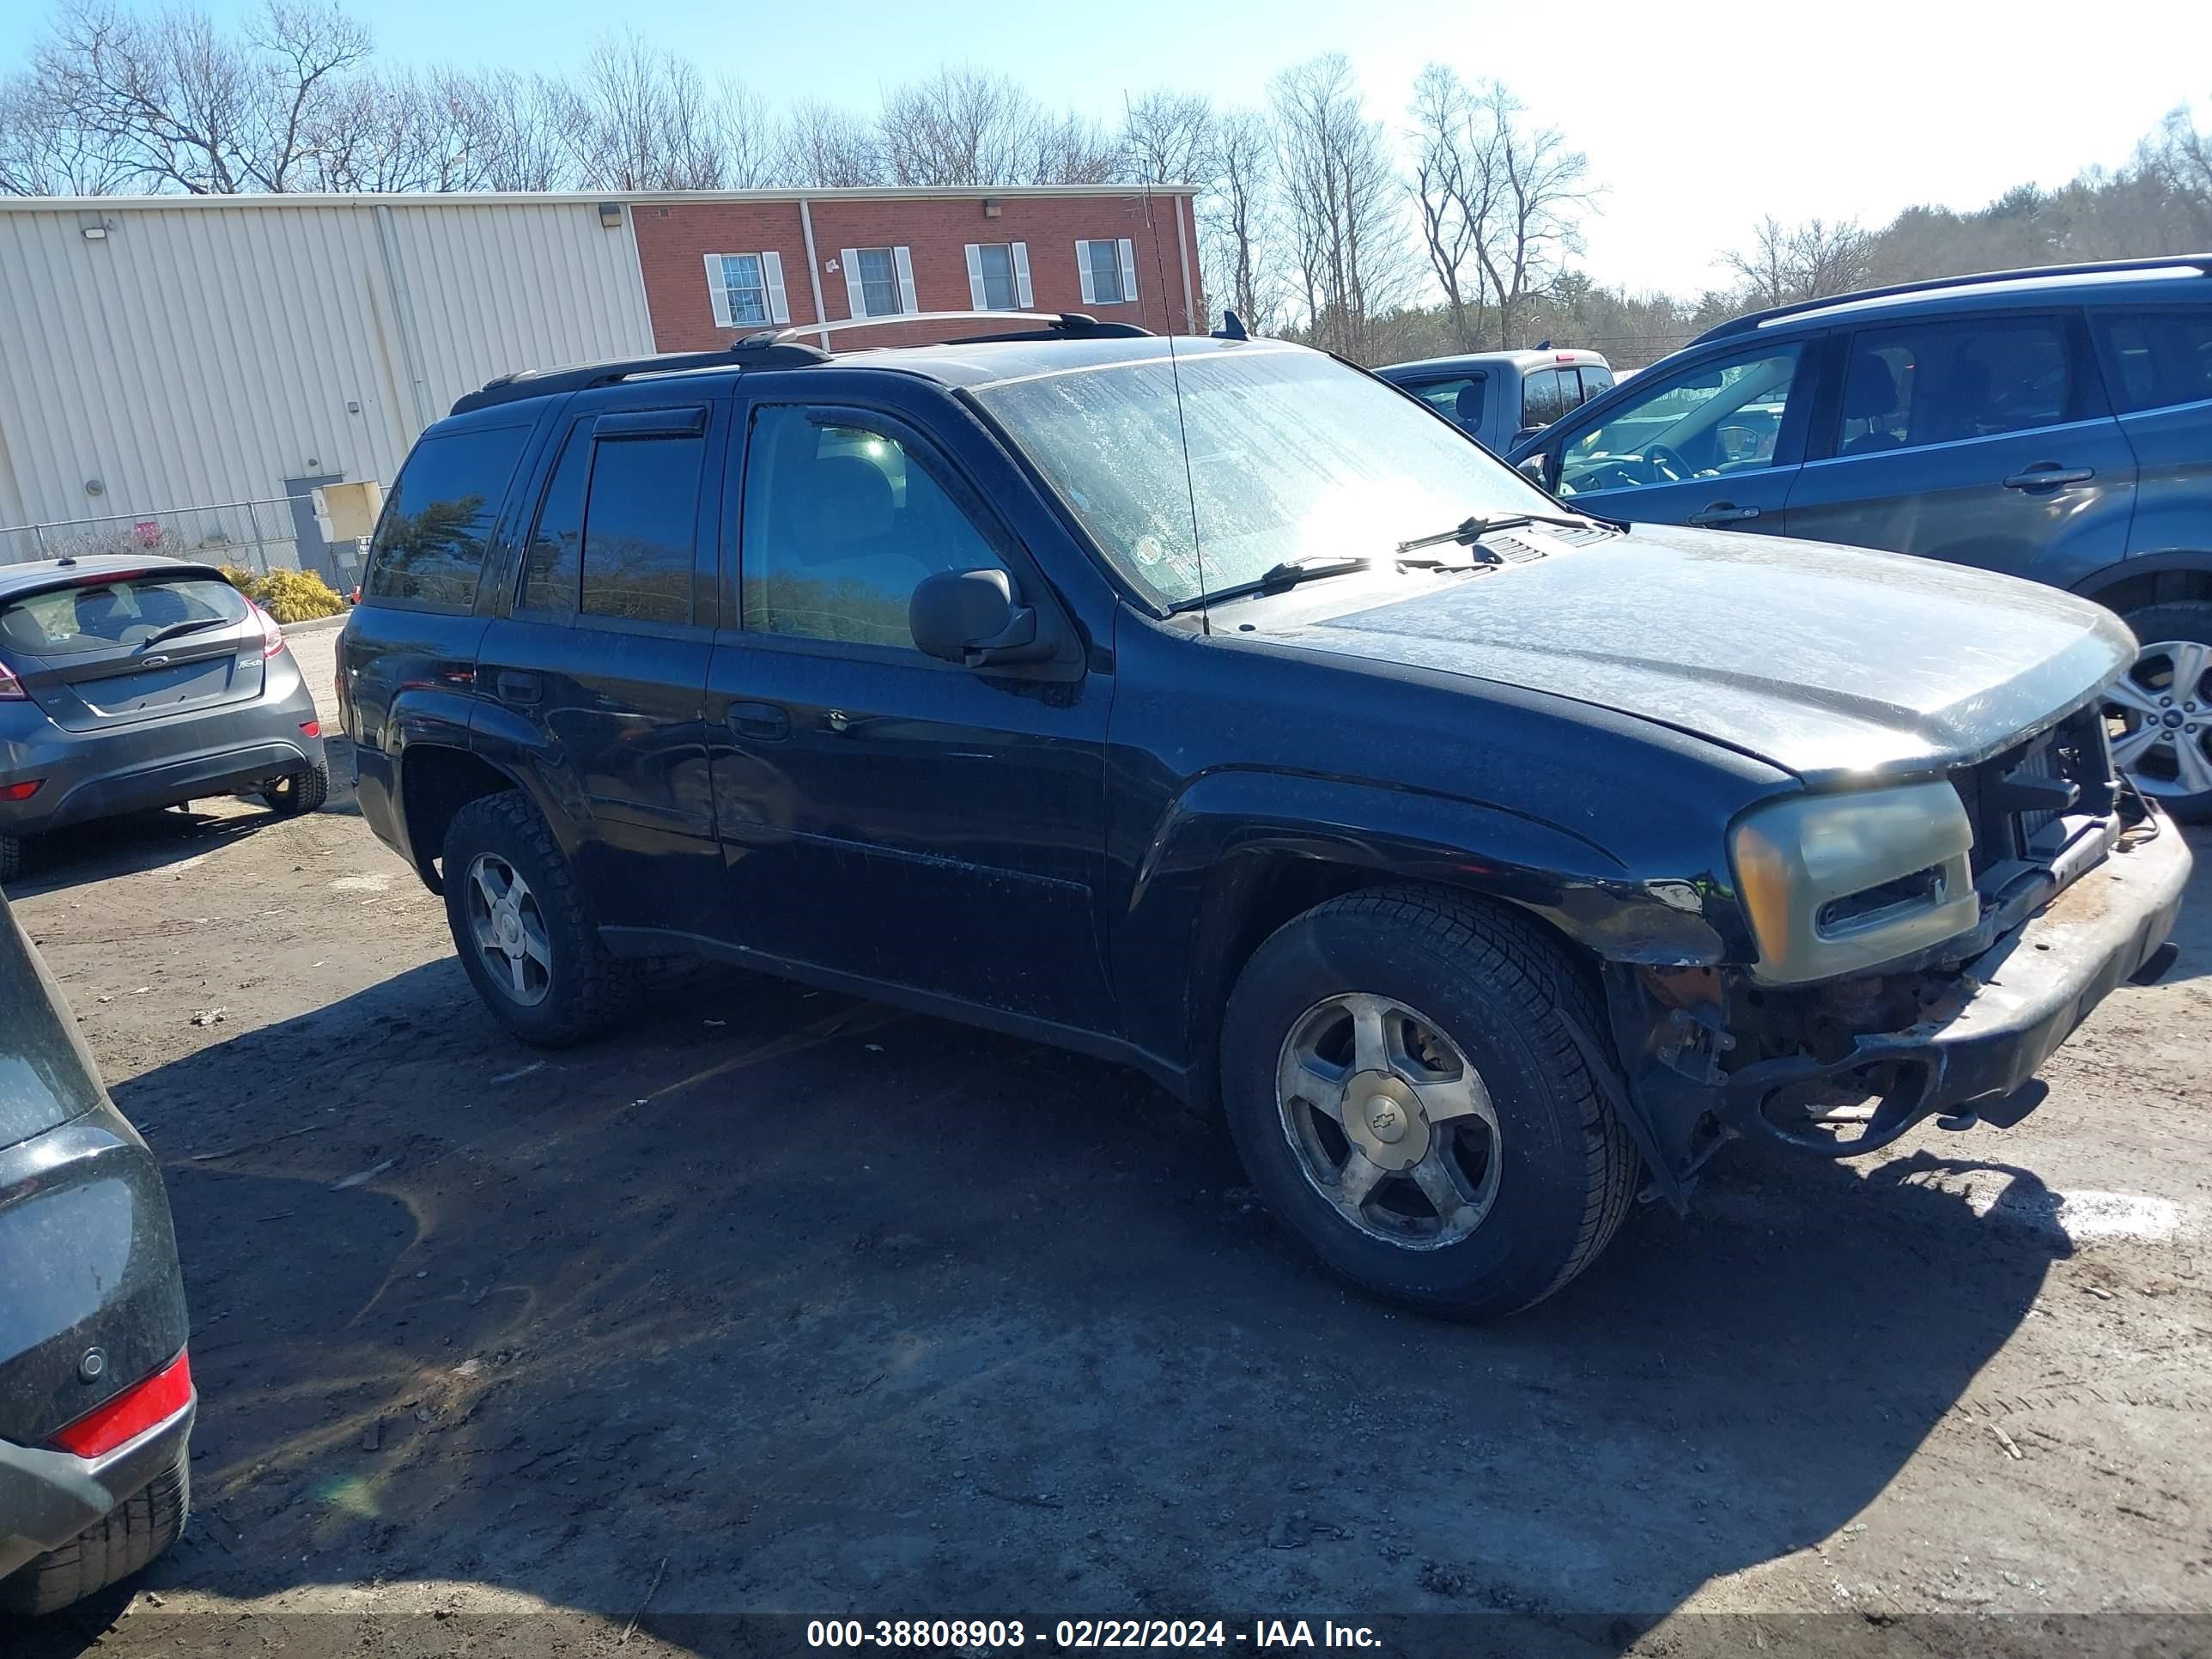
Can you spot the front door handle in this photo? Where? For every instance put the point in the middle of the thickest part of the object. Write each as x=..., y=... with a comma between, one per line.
x=767, y=721
x=516, y=687
x=2049, y=475
x=1724, y=513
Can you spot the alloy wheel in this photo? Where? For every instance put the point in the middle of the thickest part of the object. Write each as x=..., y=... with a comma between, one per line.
x=1389, y=1121
x=508, y=929
x=2160, y=711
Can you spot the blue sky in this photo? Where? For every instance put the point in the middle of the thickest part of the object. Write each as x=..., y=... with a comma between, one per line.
x=1697, y=119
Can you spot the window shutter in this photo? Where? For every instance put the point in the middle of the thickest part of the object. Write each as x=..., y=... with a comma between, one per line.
x=856, y=299
x=1022, y=295
x=976, y=297
x=1128, y=271
x=1083, y=270
x=772, y=271
x=717, y=292
x=904, y=261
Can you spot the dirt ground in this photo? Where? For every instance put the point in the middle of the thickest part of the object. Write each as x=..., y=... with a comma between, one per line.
x=784, y=1302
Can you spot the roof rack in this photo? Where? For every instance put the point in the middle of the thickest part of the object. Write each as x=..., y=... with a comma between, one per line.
x=1750, y=320
x=1058, y=325
x=755, y=351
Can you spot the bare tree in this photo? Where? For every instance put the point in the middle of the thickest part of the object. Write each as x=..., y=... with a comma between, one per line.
x=1542, y=189
x=643, y=119
x=967, y=126
x=1168, y=138
x=45, y=151
x=171, y=103
x=1237, y=220
x=1808, y=261
x=1454, y=189
x=2178, y=159
x=823, y=147
x=1341, y=196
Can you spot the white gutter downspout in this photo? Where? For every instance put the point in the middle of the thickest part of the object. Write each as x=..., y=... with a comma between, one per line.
x=1183, y=247
x=814, y=271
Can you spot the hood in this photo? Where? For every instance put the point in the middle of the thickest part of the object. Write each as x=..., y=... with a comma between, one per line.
x=1834, y=663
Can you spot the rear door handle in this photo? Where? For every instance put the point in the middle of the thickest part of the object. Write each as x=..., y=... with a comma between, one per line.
x=1724, y=513
x=765, y=721
x=2049, y=475
x=516, y=687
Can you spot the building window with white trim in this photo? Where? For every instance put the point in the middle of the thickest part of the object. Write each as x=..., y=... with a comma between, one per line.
x=999, y=276
x=747, y=289
x=1108, y=271
x=878, y=281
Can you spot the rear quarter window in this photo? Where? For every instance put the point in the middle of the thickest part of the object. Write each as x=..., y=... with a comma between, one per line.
x=430, y=545
x=71, y=621
x=2163, y=358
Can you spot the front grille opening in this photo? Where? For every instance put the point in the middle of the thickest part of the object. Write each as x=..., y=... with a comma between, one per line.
x=1870, y=905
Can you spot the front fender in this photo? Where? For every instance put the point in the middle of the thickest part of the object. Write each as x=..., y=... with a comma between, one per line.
x=1674, y=919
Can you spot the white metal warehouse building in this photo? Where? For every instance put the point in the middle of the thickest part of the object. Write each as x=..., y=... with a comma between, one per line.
x=178, y=373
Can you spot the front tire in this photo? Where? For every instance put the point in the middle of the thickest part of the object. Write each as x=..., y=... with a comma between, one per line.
x=522, y=930
x=1402, y=1076
x=2163, y=707
x=110, y=1549
x=298, y=793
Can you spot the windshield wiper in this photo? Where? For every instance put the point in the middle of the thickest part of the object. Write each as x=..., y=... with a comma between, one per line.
x=175, y=629
x=1468, y=532
x=1276, y=578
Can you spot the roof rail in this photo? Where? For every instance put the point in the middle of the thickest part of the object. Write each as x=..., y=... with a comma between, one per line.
x=755, y=351
x=1058, y=325
x=1750, y=320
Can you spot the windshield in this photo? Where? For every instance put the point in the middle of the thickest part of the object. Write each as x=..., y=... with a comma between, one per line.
x=1293, y=455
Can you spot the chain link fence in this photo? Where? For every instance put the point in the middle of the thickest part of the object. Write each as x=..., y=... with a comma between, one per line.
x=257, y=537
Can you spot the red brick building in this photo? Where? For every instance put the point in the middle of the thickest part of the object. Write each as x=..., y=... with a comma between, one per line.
x=718, y=266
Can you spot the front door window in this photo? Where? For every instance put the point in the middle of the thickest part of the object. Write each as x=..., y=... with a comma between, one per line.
x=1711, y=422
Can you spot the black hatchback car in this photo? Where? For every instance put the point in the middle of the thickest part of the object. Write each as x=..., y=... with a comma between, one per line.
x=96, y=1399
x=1212, y=706
x=2055, y=424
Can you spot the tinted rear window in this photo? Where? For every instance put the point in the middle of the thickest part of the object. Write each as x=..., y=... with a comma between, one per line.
x=638, y=529
x=71, y=621
x=430, y=545
x=2164, y=358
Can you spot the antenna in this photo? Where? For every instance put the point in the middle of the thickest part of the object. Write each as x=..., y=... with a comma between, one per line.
x=1175, y=374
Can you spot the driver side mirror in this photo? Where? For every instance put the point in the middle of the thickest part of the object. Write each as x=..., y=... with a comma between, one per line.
x=974, y=617
x=1537, y=468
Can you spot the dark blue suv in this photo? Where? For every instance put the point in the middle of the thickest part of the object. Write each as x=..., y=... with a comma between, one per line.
x=2055, y=424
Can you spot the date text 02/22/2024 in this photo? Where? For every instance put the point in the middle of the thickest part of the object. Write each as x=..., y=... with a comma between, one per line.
x=1077, y=1634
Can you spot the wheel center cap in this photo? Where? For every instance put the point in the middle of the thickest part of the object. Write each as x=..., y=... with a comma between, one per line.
x=1386, y=1118
x=2172, y=717
x=508, y=929
x=1382, y=1116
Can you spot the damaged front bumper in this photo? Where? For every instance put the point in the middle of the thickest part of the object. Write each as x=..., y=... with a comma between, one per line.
x=1999, y=1018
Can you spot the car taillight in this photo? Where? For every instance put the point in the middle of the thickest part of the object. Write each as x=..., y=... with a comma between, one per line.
x=11, y=689
x=312, y=728
x=131, y=1412
x=20, y=791
x=272, y=636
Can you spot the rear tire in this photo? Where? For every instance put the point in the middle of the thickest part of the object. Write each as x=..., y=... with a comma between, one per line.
x=11, y=859
x=298, y=793
x=110, y=1549
x=1501, y=1007
x=522, y=930
x=2176, y=644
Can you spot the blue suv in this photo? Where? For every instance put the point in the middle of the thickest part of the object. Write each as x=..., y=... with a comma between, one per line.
x=2055, y=424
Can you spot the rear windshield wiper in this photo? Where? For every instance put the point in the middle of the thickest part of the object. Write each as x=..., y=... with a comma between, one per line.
x=1468, y=532
x=175, y=629
x=1289, y=574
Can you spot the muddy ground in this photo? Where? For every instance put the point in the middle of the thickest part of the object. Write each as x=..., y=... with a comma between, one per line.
x=782, y=1301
